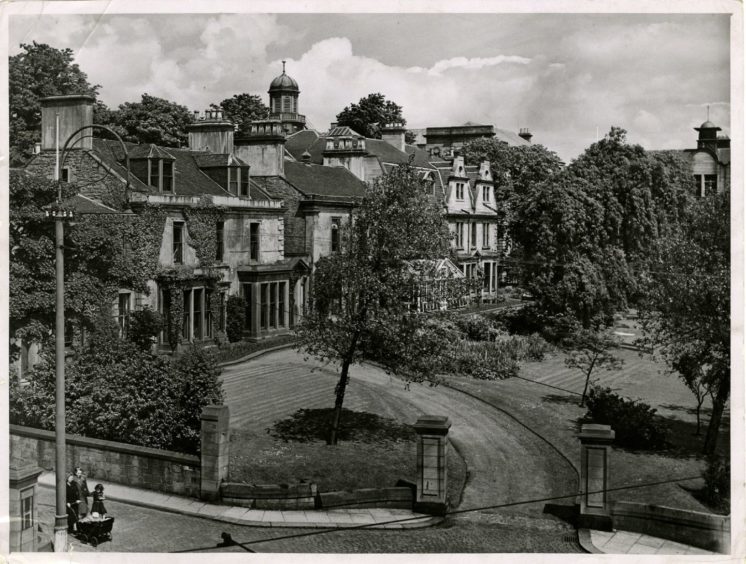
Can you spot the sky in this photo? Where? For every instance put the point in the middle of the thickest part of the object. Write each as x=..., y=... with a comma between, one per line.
x=566, y=77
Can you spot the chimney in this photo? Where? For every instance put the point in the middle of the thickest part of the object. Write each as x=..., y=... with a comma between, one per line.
x=332, y=125
x=263, y=147
x=348, y=151
x=393, y=133
x=75, y=111
x=484, y=171
x=458, y=166
x=211, y=133
x=525, y=134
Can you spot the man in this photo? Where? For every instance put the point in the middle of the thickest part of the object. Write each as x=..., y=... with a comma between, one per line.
x=73, y=501
x=83, y=493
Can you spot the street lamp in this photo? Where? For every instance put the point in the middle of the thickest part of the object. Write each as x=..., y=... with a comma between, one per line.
x=60, y=215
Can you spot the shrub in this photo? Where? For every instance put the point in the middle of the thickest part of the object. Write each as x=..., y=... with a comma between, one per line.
x=115, y=390
x=235, y=318
x=717, y=480
x=476, y=327
x=635, y=423
x=144, y=327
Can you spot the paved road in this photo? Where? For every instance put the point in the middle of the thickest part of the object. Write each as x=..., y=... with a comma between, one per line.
x=506, y=462
x=137, y=529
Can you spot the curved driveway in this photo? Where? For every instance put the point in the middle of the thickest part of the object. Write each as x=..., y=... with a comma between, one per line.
x=506, y=462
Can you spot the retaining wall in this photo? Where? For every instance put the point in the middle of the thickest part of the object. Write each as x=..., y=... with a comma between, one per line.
x=142, y=467
x=704, y=530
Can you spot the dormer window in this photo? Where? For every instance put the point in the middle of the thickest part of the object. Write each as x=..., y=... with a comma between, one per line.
x=459, y=190
x=486, y=193
x=238, y=181
x=161, y=174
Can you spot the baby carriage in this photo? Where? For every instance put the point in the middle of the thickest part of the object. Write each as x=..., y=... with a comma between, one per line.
x=94, y=530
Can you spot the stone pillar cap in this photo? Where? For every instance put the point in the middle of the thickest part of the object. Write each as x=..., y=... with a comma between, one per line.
x=22, y=473
x=432, y=423
x=592, y=431
x=214, y=411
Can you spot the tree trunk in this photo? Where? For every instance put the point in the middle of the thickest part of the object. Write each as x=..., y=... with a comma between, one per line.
x=339, y=399
x=587, y=379
x=718, y=406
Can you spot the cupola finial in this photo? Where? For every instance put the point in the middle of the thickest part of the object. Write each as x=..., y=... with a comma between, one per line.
x=708, y=112
x=283, y=67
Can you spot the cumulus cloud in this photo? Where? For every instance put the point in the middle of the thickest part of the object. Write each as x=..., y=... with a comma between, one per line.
x=565, y=82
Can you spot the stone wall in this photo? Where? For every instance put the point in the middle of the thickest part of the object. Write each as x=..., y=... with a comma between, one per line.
x=148, y=468
x=704, y=530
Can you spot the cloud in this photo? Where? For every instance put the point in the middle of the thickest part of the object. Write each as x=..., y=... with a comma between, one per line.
x=564, y=81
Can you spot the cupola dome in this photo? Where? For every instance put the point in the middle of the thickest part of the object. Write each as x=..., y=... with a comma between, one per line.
x=283, y=83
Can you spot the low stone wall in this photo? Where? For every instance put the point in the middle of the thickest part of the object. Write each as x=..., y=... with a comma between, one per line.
x=148, y=468
x=400, y=498
x=704, y=530
x=306, y=496
x=299, y=496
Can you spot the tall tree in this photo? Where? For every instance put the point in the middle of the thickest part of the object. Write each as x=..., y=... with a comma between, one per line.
x=370, y=114
x=152, y=120
x=589, y=351
x=362, y=294
x=36, y=72
x=242, y=109
x=686, y=312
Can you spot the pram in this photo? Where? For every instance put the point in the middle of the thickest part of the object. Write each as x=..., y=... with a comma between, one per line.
x=94, y=530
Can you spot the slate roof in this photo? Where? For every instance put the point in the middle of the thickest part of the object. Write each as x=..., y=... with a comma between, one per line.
x=510, y=137
x=189, y=179
x=85, y=205
x=335, y=181
x=342, y=131
x=149, y=151
x=207, y=160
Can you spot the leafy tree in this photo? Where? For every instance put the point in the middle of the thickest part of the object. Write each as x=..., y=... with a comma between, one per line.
x=686, y=311
x=242, y=109
x=152, y=120
x=410, y=137
x=369, y=114
x=361, y=294
x=591, y=350
x=36, y=72
x=92, y=260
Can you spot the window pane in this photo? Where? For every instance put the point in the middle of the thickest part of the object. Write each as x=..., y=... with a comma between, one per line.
x=168, y=175
x=265, y=306
x=198, y=311
x=219, y=236
x=254, y=241
x=177, y=243
x=281, y=305
x=247, y=305
x=244, y=182
x=335, y=234
x=208, y=313
x=123, y=314
x=273, y=304
x=186, y=323
x=233, y=180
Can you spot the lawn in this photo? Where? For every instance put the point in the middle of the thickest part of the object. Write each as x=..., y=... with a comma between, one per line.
x=366, y=460
x=555, y=415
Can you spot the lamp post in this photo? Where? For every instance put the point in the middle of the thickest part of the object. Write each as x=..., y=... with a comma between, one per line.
x=60, y=215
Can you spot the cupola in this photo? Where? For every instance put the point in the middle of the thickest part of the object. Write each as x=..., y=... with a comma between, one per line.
x=283, y=102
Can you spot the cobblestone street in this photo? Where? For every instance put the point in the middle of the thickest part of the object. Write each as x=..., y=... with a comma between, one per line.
x=139, y=529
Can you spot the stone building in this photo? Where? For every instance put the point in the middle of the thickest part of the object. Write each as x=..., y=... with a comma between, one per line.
x=710, y=160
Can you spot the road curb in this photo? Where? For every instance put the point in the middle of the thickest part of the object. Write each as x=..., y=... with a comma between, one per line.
x=584, y=539
x=256, y=354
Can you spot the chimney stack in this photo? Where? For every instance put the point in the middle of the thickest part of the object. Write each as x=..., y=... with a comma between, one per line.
x=263, y=147
x=211, y=132
x=75, y=111
x=393, y=133
x=525, y=134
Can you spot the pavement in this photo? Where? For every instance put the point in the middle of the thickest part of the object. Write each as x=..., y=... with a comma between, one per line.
x=374, y=518
x=625, y=542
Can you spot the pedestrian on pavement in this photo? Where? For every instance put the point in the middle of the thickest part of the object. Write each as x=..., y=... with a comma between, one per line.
x=72, y=500
x=83, y=493
x=98, y=501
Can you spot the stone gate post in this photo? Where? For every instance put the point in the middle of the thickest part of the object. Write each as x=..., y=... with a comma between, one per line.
x=595, y=446
x=432, y=445
x=214, y=450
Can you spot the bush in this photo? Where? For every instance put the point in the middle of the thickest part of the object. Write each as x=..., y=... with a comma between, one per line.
x=144, y=327
x=717, y=480
x=476, y=327
x=115, y=390
x=635, y=423
x=235, y=318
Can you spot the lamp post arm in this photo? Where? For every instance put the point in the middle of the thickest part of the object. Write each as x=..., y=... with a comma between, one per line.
x=67, y=146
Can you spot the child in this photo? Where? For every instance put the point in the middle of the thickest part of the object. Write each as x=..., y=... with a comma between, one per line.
x=98, y=500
